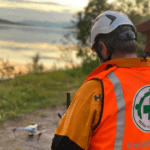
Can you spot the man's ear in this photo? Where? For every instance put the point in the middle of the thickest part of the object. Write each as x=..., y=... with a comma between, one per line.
x=104, y=50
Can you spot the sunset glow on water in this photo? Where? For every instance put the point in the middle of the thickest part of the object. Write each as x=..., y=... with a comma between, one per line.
x=20, y=55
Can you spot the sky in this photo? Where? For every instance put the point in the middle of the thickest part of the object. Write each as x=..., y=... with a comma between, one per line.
x=40, y=10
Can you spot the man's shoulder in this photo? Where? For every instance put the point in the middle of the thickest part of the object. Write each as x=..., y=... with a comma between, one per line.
x=90, y=90
x=91, y=84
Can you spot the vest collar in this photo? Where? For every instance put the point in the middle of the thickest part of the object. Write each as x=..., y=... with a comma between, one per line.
x=129, y=62
x=120, y=63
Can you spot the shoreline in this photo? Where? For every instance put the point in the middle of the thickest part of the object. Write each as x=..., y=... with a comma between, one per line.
x=23, y=70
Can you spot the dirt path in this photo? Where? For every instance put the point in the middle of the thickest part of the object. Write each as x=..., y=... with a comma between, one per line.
x=47, y=119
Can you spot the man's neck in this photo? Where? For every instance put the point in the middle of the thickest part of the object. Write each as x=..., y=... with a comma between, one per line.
x=124, y=56
x=121, y=56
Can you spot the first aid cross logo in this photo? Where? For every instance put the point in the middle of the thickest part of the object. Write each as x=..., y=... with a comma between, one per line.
x=141, y=109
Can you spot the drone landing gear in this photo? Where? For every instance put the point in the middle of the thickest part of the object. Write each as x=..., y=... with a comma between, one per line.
x=39, y=136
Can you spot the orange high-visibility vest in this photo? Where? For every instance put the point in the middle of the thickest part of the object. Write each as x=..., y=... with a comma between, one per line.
x=125, y=122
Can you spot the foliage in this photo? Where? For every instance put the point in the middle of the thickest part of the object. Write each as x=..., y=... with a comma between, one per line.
x=89, y=60
x=140, y=50
x=141, y=38
x=66, y=52
x=89, y=66
x=135, y=9
x=36, y=67
x=7, y=69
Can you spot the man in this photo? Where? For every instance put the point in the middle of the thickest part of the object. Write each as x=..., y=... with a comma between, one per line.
x=111, y=110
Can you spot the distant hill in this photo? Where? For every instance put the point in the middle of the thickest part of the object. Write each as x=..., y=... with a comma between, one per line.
x=48, y=24
x=39, y=23
x=2, y=21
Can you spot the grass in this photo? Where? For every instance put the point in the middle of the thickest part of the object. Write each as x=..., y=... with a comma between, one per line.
x=17, y=148
x=26, y=93
x=43, y=115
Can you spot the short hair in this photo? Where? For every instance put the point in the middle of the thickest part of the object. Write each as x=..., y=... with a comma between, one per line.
x=120, y=46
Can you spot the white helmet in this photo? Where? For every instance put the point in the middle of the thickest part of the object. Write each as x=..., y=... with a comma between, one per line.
x=107, y=22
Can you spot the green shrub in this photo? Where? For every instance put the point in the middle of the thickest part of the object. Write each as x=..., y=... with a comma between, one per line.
x=140, y=50
x=89, y=66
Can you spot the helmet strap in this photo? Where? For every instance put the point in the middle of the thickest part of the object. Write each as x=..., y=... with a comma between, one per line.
x=101, y=57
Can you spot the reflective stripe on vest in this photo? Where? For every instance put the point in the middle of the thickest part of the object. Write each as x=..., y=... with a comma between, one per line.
x=121, y=110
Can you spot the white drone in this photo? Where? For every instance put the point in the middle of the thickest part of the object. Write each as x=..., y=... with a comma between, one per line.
x=32, y=129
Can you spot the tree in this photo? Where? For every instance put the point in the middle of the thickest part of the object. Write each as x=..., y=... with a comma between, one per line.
x=136, y=10
x=85, y=19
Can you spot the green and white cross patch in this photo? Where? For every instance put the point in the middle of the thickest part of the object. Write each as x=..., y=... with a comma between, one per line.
x=141, y=109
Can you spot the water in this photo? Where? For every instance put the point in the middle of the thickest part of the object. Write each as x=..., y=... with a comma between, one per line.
x=19, y=44
x=32, y=34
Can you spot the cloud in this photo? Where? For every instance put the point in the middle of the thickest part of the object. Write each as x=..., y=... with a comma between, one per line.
x=35, y=5
x=19, y=14
x=36, y=2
